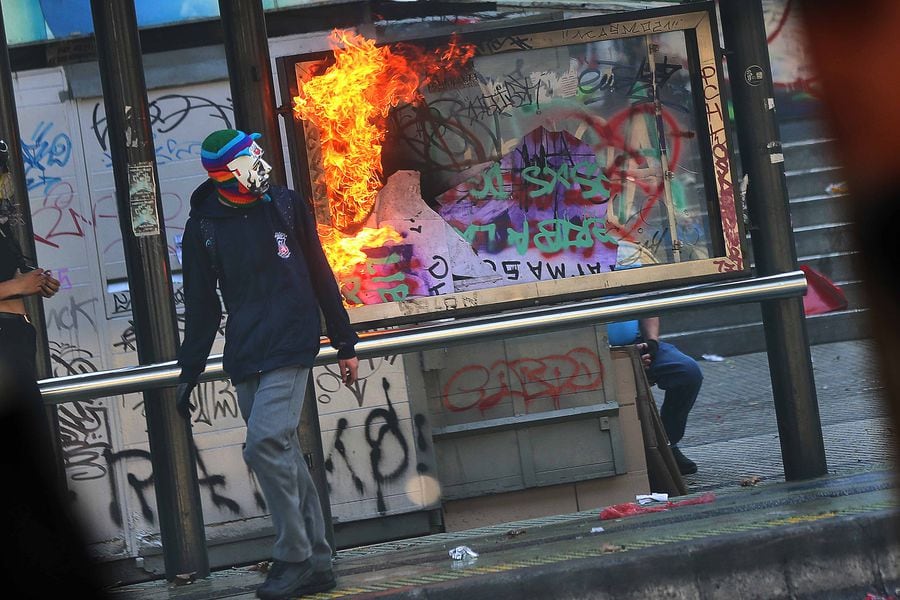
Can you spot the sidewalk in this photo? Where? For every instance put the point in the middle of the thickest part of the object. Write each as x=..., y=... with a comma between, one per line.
x=768, y=540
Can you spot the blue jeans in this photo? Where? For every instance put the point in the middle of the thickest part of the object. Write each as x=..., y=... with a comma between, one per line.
x=681, y=378
x=270, y=404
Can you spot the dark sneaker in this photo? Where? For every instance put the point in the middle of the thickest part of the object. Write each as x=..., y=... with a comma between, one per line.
x=321, y=581
x=685, y=465
x=286, y=580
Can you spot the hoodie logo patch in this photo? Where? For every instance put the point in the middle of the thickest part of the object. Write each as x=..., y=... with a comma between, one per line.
x=281, y=241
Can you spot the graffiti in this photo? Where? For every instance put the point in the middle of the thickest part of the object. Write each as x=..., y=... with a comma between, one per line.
x=56, y=217
x=385, y=438
x=72, y=316
x=381, y=423
x=67, y=359
x=142, y=487
x=166, y=114
x=527, y=379
x=127, y=339
x=85, y=437
x=328, y=380
x=215, y=400
x=586, y=176
x=551, y=236
x=722, y=165
x=512, y=42
x=43, y=151
x=84, y=426
x=341, y=449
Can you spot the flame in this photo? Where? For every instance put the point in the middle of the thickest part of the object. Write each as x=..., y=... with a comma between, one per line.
x=345, y=253
x=349, y=105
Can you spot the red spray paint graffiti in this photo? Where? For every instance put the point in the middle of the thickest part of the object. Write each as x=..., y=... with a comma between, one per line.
x=528, y=379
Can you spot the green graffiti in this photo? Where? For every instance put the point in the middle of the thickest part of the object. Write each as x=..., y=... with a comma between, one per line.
x=587, y=175
x=550, y=235
x=554, y=235
x=493, y=185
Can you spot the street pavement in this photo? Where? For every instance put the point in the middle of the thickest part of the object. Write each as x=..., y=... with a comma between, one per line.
x=753, y=536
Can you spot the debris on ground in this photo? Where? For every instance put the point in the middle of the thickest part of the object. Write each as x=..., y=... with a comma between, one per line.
x=462, y=557
x=184, y=578
x=463, y=553
x=597, y=530
x=750, y=481
x=515, y=533
x=644, y=499
x=262, y=567
x=629, y=509
x=836, y=189
x=713, y=358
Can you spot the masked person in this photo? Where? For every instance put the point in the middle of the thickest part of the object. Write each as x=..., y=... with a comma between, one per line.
x=259, y=244
x=18, y=279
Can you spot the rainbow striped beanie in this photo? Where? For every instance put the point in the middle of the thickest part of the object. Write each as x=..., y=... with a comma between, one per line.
x=220, y=148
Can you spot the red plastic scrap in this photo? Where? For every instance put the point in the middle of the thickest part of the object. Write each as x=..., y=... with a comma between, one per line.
x=878, y=597
x=628, y=509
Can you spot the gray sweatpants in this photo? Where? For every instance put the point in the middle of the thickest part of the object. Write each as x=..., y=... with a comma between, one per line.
x=270, y=404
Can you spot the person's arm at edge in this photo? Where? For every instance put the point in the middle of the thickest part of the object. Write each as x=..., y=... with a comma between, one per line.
x=340, y=332
x=202, y=309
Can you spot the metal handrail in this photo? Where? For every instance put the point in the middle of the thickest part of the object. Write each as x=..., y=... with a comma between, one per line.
x=452, y=331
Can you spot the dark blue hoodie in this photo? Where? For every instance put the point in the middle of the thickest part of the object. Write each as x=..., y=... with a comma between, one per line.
x=273, y=281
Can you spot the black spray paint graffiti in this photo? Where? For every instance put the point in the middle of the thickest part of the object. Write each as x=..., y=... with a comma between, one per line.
x=84, y=428
x=167, y=113
x=141, y=487
x=389, y=456
x=329, y=381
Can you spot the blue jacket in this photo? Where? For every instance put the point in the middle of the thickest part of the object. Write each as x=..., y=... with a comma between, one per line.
x=273, y=281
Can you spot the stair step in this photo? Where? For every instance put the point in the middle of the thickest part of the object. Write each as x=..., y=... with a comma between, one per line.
x=739, y=315
x=802, y=129
x=810, y=153
x=824, y=239
x=813, y=181
x=838, y=326
x=818, y=210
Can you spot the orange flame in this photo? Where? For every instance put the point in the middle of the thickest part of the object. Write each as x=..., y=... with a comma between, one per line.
x=345, y=253
x=349, y=104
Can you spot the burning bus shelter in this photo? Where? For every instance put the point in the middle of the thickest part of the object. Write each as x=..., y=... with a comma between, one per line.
x=517, y=166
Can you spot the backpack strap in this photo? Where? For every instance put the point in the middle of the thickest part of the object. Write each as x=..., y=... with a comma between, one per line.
x=208, y=231
x=285, y=209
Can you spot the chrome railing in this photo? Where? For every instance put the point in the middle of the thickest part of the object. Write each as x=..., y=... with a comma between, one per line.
x=453, y=331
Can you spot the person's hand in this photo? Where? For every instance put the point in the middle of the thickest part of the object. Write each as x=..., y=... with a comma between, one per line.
x=648, y=352
x=183, y=398
x=348, y=368
x=50, y=285
x=646, y=359
x=31, y=282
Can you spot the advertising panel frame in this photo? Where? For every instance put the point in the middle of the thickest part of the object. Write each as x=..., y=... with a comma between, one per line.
x=708, y=88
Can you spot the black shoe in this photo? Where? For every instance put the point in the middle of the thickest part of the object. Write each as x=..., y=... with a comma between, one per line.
x=286, y=580
x=685, y=465
x=321, y=581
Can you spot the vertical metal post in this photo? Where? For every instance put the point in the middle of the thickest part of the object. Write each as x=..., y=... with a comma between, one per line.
x=149, y=280
x=250, y=75
x=253, y=94
x=23, y=228
x=790, y=365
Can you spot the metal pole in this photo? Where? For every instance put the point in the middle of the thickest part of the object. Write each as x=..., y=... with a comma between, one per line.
x=23, y=228
x=790, y=365
x=458, y=331
x=253, y=95
x=250, y=75
x=150, y=283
